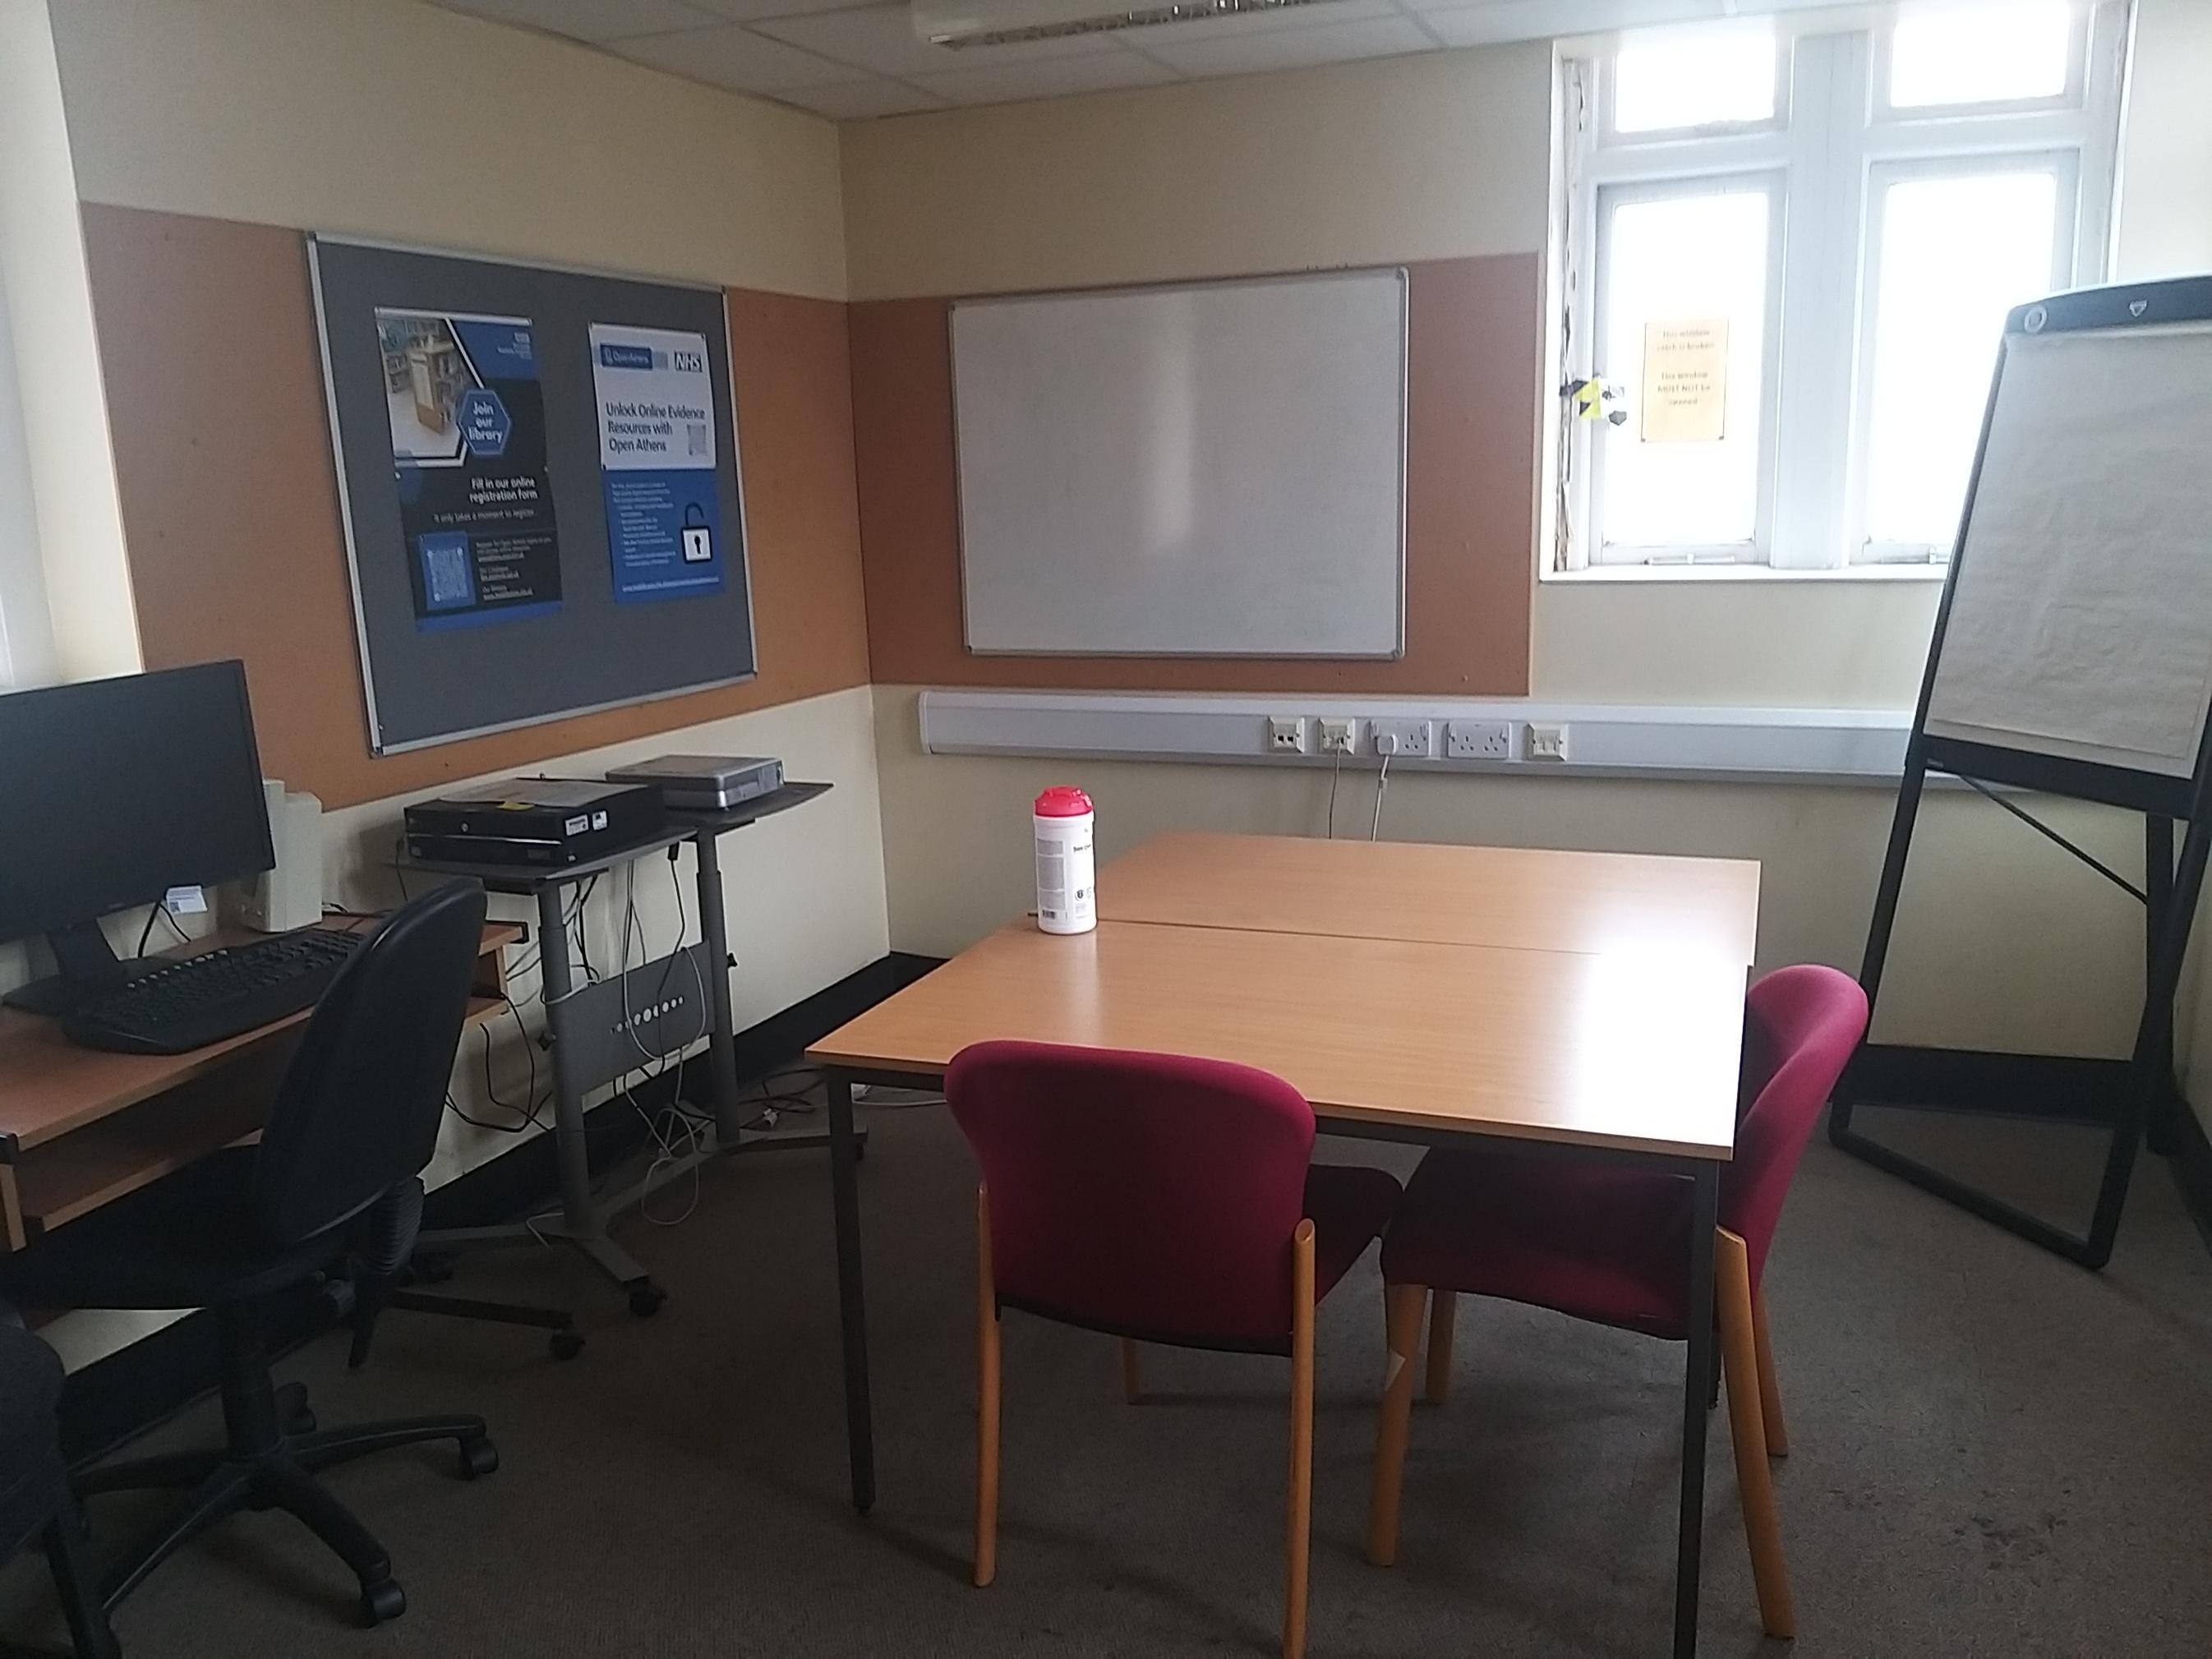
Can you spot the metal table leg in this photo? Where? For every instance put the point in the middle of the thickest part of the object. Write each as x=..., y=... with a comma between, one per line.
x=721, y=1045
x=578, y=1225
x=845, y=1198
x=1696, y=1395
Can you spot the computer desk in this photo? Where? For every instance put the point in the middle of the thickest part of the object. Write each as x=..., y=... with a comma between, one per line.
x=582, y=1222
x=80, y=1128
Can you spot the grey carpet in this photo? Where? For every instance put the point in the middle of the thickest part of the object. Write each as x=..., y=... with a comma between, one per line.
x=1995, y=1454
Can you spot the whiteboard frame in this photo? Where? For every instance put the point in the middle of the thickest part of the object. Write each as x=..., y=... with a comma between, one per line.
x=1335, y=273
x=376, y=745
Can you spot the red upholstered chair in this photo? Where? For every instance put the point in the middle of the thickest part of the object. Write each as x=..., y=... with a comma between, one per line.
x=1158, y=1200
x=1610, y=1244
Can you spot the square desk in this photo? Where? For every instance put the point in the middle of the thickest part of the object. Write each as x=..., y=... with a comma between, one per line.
x=1624, y=1053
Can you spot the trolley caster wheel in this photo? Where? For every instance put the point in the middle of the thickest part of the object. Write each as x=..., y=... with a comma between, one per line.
x=566, y=1345
x=382, y=1603
x=433, y=1269
x=645, y=1297
x=478, y=1457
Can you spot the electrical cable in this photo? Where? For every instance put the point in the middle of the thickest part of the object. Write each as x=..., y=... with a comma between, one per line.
x=1381, y=784
x=1335, y=772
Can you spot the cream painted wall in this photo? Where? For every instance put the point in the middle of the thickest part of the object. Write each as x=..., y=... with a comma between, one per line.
x=1418, y=158
x=392, y=118
x=1442, y=156
x=1984, y=897
x=2165, y=160
x=56, y=360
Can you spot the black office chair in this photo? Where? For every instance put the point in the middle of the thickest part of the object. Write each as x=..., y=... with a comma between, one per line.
x=35, y=1490
x=353, y=1123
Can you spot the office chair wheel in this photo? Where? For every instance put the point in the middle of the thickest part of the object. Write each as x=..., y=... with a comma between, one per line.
x=566, y=1345
x=645, y=1297
x=432, y=1268
x=301, y=1422
x=382, y=1602
x=478, y=1457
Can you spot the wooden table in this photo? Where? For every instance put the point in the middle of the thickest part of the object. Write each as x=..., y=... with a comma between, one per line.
x=1526, y=899
x=80, y=1128
x=1576, y=1004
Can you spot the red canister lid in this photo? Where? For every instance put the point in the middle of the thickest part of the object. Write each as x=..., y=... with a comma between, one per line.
x=1062, y=801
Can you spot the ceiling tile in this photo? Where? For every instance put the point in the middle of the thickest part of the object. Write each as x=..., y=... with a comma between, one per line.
x=733, y=58
x=589, y=19
x=1247, y=22
x=882, y=39
x=1294, y=48
x=1006, y=83
x=860, y=101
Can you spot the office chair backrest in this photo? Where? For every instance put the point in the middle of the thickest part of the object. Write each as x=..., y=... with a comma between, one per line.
x=1146, y=1195
x=1801, y=1025
x=359, y=1108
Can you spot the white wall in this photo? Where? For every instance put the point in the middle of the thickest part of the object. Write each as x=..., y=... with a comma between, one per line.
x=57, y=359
x=2165, y=158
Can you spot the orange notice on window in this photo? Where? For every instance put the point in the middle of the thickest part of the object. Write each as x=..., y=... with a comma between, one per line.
x=1685, y=381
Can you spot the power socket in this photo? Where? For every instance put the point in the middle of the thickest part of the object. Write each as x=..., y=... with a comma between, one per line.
x=1338, y=736
x=1287, y=735
x=1490, y=740
x=1415, y=739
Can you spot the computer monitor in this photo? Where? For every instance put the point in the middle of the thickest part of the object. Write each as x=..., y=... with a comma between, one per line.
x=112, y=793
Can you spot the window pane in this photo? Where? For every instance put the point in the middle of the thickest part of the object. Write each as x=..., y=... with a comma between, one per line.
x=1694, y=79
x=1957, y=254
x=1981, y=53
x=1685, y=333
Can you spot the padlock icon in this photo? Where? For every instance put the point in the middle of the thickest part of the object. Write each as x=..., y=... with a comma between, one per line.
x=699, y=538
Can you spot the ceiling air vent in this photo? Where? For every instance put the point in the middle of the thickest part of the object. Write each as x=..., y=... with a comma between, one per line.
x=1004, y=22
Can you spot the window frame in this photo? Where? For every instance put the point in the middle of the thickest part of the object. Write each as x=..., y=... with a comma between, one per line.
x=1834, y=139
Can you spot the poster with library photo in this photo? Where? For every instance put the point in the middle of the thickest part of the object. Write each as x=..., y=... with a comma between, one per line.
x=467, y=418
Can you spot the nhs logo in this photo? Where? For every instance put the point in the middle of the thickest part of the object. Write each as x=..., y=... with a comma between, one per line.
x=688, y=363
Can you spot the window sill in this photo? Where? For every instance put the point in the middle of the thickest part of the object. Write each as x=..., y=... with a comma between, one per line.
x=1615, y=575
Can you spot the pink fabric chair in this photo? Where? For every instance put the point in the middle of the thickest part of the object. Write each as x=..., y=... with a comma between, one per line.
x=1160, y=1200
x=1608, y=1244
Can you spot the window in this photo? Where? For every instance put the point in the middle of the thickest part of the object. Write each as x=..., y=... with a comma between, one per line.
x=1789, y=258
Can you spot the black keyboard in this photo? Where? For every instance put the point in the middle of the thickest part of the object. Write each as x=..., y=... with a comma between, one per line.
x=196, y=1000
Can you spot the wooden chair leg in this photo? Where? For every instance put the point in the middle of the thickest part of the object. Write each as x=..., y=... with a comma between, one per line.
x=1298, y=1530
x=1132, y=1385
x=1402, y=1311
x=987, y=1400
x=1770, y=1391
x=1762, y=1525
x=1443, y=1305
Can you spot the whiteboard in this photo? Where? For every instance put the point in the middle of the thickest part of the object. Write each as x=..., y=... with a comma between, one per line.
x=2080, y=620
x=1215, y=469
